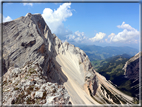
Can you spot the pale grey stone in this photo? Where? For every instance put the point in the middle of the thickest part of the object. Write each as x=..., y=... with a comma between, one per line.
x=38, y=94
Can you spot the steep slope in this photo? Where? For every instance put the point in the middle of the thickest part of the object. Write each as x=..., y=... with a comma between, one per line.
x=131, y=69
x=76, y=66
x=28, y=39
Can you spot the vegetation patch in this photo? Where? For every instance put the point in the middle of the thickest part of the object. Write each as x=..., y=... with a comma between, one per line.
x=44, y=95
x=4, y=82
x=31, y=71
x=26, y=77
x=16, y=88
x=79, y=62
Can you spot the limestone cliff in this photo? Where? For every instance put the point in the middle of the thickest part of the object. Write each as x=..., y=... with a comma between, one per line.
x=132, y=68
x=29, y=39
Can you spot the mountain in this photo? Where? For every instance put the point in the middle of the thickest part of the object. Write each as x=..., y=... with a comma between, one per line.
x=132, y=70
x=99, y=53
x=33, y=58
x=113, y=69
x=131, y=67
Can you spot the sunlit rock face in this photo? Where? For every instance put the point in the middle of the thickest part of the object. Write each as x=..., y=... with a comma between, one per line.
x=132, y=66
x=29, y=40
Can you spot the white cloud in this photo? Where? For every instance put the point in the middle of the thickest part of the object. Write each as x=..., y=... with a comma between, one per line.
x=28, y=4
x=55, y=18
x=125, y=26
x=5, y=19
x=77, y=37
x=106, y=40
x=80, y=34
x=111, y=35
x=99, y=36
x=128, y=34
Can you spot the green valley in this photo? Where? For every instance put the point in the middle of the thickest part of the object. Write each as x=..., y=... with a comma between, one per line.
x=111, y=68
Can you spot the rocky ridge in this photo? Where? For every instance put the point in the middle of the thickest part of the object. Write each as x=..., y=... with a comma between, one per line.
x=29, y=39
x=27, y=85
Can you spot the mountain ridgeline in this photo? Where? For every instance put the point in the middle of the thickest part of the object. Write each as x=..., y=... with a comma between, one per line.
x=99, y=53
x=39, y=69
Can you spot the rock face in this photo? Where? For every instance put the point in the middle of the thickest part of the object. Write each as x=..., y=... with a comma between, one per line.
x=131, y=69
x=28, y=86
x=29, y=39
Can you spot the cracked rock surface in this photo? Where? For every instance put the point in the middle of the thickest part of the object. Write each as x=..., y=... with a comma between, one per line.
x=27, y=85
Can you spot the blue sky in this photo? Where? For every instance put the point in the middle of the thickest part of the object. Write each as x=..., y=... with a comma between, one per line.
x=102, y=24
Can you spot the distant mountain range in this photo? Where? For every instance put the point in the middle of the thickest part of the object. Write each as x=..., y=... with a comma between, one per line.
x=99, y=53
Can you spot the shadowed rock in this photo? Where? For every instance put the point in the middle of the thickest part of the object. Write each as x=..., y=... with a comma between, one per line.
x=132, y=69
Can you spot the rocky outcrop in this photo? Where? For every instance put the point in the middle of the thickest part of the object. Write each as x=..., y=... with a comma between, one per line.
x=28, y=85
x=29, y=39
x=131, y=67
x=23, y=41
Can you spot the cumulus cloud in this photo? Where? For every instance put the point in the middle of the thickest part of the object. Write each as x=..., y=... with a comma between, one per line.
x=55, y=18
x=99, y=36
x=111, y=35
x=77, y=37
x=125, y=26
x=80, y=37
x=127, y=35
x=5, y=19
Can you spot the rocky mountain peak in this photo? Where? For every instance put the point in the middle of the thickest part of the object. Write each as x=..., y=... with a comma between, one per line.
x=29, y=39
